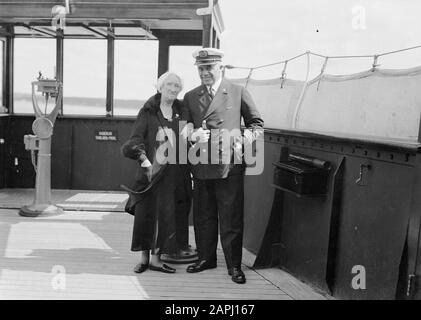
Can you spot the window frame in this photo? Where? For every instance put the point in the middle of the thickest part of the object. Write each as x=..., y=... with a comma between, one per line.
x=122, y=116
x=3, y=72
x=165, y=39
x=171, y=66
x=108, y=80
x=12, y=69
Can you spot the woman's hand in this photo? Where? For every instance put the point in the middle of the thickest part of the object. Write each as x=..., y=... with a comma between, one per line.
x=148, y=169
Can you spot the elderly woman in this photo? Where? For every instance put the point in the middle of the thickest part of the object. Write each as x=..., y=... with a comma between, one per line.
x=162, y=187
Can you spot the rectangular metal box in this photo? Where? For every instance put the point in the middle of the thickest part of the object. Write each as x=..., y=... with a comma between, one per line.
x=300, y=179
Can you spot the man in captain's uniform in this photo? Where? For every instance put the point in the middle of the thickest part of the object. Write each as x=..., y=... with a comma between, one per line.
x=217, y=104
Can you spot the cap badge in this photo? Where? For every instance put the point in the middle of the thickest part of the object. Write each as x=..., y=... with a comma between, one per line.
x=203, y=54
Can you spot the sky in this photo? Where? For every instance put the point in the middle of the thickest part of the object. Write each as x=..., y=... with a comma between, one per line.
x=256, y=33
x=266, y=31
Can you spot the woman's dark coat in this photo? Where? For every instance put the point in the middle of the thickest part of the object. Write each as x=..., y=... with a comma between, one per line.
x=167, y=197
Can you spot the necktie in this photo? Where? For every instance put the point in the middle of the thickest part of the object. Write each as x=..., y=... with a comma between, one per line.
x=211, y=92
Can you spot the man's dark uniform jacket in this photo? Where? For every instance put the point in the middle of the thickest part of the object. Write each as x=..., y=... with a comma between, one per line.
x=230, y=103
x=218, y=188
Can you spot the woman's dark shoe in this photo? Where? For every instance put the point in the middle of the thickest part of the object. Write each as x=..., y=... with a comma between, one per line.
x=164, y=268
x=140, y=267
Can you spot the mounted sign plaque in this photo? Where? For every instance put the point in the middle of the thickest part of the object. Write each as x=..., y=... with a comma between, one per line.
x=106, y=135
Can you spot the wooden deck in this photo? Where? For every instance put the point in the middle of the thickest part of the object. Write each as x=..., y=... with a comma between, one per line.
x=85, y=255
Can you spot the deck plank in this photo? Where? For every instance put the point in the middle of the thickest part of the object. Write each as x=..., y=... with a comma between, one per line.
x=92, y=249
x=295, y=288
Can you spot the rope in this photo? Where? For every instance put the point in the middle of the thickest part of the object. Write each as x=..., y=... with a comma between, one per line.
x=248, y=77
x=229, y=66
x=344, y=57
x=375, y=56
x=322, y=72
x=375, y=64
x=406, y=49
x=318, y=55
x=283, y=74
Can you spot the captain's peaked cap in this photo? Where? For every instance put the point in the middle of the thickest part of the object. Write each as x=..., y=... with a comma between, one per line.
x=205, y=56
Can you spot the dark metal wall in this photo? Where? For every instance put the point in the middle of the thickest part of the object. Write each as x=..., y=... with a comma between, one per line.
x=321, y=239
x=258, y=199
x=79, y=161
x=318, y=239
x=3, y=130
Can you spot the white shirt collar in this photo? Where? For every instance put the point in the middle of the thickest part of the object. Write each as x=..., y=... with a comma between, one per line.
x=215, y=86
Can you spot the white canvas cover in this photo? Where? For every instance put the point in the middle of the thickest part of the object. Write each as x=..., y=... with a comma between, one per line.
x=275, y=104
x=379, y=104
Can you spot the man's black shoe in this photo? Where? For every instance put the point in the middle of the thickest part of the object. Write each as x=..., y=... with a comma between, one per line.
x=237, y=275
x=201, y=265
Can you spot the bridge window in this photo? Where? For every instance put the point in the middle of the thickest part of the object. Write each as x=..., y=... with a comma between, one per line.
x=135, y=74
x=182, y=62
x=84, y=77
x=31, y=57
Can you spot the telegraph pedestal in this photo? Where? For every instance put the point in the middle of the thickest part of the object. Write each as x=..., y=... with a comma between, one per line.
x=40, y=143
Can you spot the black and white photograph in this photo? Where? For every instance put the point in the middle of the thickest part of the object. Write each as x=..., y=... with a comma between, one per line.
x=221, y=151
